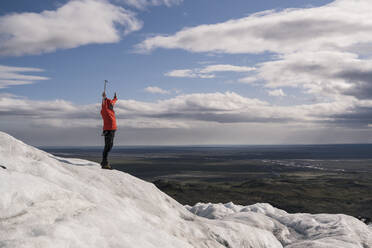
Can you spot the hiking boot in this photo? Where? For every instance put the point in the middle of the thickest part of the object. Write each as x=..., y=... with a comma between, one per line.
x=106, y=166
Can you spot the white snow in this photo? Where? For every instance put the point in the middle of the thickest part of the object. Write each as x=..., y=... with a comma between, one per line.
x=47, y=201
x=293, y=230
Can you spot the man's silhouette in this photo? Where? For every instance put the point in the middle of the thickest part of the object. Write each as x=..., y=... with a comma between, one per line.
x=109, y=127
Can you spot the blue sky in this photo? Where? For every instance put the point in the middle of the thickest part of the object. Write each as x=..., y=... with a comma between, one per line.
x=195, y=72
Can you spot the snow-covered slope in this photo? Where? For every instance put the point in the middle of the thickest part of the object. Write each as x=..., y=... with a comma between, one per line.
x=47, y=201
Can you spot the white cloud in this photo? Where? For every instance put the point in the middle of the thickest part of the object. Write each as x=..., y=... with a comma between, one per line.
x=186, y=110
x=10, y=75
x=186, y=73
x=248, y=80
x=278, y=92
x=156, y=90
x=142, y=4
x=323, y=73
x=206, y=72
x=342, y=23
x=77, y=23
x=225, y=118
x=226, y=68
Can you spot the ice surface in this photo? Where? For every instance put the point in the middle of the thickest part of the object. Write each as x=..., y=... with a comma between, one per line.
x=47, y=201
x=293, y=230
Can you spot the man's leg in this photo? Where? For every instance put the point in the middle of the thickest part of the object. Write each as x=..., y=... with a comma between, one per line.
x=109, y=142
x=105, y=150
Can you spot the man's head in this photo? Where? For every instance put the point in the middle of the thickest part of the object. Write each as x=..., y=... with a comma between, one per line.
x=104, y=94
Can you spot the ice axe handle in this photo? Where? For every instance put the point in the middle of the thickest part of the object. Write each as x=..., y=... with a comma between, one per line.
x=104, y=90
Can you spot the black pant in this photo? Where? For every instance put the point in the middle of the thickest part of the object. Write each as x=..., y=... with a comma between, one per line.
x=109, y=142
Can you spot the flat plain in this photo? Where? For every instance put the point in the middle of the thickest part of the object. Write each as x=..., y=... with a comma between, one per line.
x=311, y=179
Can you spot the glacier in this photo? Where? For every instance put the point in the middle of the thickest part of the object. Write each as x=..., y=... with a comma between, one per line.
x=48, y=201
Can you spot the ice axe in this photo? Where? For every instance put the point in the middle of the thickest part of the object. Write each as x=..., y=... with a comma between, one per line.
x=104, y=89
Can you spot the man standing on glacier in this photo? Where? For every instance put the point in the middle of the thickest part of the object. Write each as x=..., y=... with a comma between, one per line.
x=109, y=127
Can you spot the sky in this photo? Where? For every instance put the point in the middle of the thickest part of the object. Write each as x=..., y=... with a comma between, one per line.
x=187, y=72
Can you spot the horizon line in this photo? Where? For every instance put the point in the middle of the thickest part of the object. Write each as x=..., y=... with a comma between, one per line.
x=200, y=145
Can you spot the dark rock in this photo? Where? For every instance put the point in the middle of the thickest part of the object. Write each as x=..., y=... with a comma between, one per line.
x=366, y=220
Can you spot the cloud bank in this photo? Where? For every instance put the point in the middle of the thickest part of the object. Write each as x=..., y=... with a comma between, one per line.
x=10, y=76
x=213, y=118
x=184, y=110
x=342, y=23
x=77, y=23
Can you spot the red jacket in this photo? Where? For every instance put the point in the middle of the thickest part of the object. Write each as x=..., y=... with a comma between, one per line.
x=108, y=114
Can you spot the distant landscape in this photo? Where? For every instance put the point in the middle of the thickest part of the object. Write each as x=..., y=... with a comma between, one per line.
x=296, y=178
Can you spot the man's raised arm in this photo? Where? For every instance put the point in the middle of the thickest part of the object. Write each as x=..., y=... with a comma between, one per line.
x=115, y=99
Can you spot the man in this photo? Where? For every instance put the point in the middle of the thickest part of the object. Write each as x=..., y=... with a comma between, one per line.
x=109, y=127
